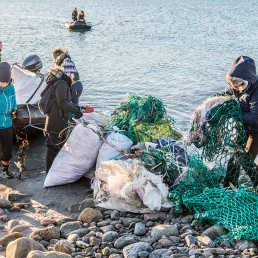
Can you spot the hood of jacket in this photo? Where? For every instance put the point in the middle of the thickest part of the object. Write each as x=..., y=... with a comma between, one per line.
x=56, y=73
x=244, y=68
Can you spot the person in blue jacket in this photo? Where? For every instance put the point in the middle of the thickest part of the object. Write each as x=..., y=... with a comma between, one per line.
x=243, y=84
x=7, y=107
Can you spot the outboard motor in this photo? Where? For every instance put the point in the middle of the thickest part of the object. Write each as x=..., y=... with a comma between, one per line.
x=32, y=63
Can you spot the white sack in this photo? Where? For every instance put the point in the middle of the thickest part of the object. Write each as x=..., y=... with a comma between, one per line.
x=128, y=186
x=109, y=150
x=25, y=83
x=96, y=118
x=76, y=158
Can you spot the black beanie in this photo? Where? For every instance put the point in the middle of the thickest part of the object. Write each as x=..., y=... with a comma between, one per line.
x=5, y=72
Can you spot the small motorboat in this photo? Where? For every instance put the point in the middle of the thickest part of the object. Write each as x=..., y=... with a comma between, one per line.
x=78, y=25
x=28, y=83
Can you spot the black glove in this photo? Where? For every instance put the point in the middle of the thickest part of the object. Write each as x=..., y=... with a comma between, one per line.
x=79, y=114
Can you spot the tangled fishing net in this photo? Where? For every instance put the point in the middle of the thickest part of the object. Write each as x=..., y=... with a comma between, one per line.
x=143, y=119
x=217, y=130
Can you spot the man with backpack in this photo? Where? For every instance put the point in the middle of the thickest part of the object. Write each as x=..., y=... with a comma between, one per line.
x=58, y=112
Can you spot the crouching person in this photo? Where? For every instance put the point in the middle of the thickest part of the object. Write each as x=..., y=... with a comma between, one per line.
x=58, y=116
x=7, y=106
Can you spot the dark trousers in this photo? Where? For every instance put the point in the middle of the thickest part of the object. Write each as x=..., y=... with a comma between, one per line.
x=6, y=143
x=246, y=162
x=54, y=145
x=76, y=91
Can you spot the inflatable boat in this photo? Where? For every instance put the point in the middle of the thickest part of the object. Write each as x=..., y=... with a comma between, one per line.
x=28, y=83
x=78, y=25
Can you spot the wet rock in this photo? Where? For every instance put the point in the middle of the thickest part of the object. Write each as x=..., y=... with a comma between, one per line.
x=63, y=246
x=88, y=215
x=103, y=223
x=161, y=253
x=4, y=203
x=21, y=247
x=216, y=251
x=139, y=229
x=52, y=254
x=106, y=251
x=81, y=232
x=164, y=230
x=190, y=241
x=107, y=228
x=194, y=252
x=9, y=238
x=47, y=222
x=87, y=203
x=15, y=196
x=214, y=232
x=18, y=228
x=72, y=238
x=151, y=217
x=149, y=240
x=126, y=240
x=110, y=236
x=164, y=242
x=82, y=244
x=12, y=223
x=128, y=221
x=187, y=219
x=94, y=241
x=47, y=233
x=131, y=251
x=69, y=227
x=205, y=241
x=115, y=256
x=115, y=215
x=175, y=239
x=241, y=245
x=143, y=254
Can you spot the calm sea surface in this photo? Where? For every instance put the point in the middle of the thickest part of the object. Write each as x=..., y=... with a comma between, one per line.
x=177, y=50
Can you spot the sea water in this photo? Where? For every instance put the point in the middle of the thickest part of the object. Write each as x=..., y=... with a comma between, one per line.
x=176, y=50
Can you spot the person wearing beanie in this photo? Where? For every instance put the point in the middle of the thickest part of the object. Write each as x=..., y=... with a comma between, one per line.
x=243, y=84
x=7, y=106
x=60, y=110
x=63, y=59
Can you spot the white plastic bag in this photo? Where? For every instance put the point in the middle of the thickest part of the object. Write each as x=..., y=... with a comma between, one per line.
x=129, y=186
x=111, y=149
x=76, y=158
x=96, y=118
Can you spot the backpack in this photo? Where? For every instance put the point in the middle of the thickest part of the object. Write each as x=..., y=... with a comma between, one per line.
x=47, y=99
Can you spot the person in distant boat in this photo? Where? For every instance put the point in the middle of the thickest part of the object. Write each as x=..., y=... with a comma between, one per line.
x=74, y=14
x=81, y=16
x=8, y=107
x=63, y=59
x=61, y=108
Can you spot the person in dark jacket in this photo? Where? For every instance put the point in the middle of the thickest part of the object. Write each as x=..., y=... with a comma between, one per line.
x=7, y=107
x=61, y=109
x=74, y=14
x=63, y=59
x=243, y=84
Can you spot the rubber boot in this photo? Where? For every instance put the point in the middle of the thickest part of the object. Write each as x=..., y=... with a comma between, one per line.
x=232, y=174
x=50, y=156
x=6, y=173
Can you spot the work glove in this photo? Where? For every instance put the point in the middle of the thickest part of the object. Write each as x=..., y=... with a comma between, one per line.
x=78, y=115
x=87, y=109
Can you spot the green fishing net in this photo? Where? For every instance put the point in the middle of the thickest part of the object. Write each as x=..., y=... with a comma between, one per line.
x=142, y=118
x=219, y=134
